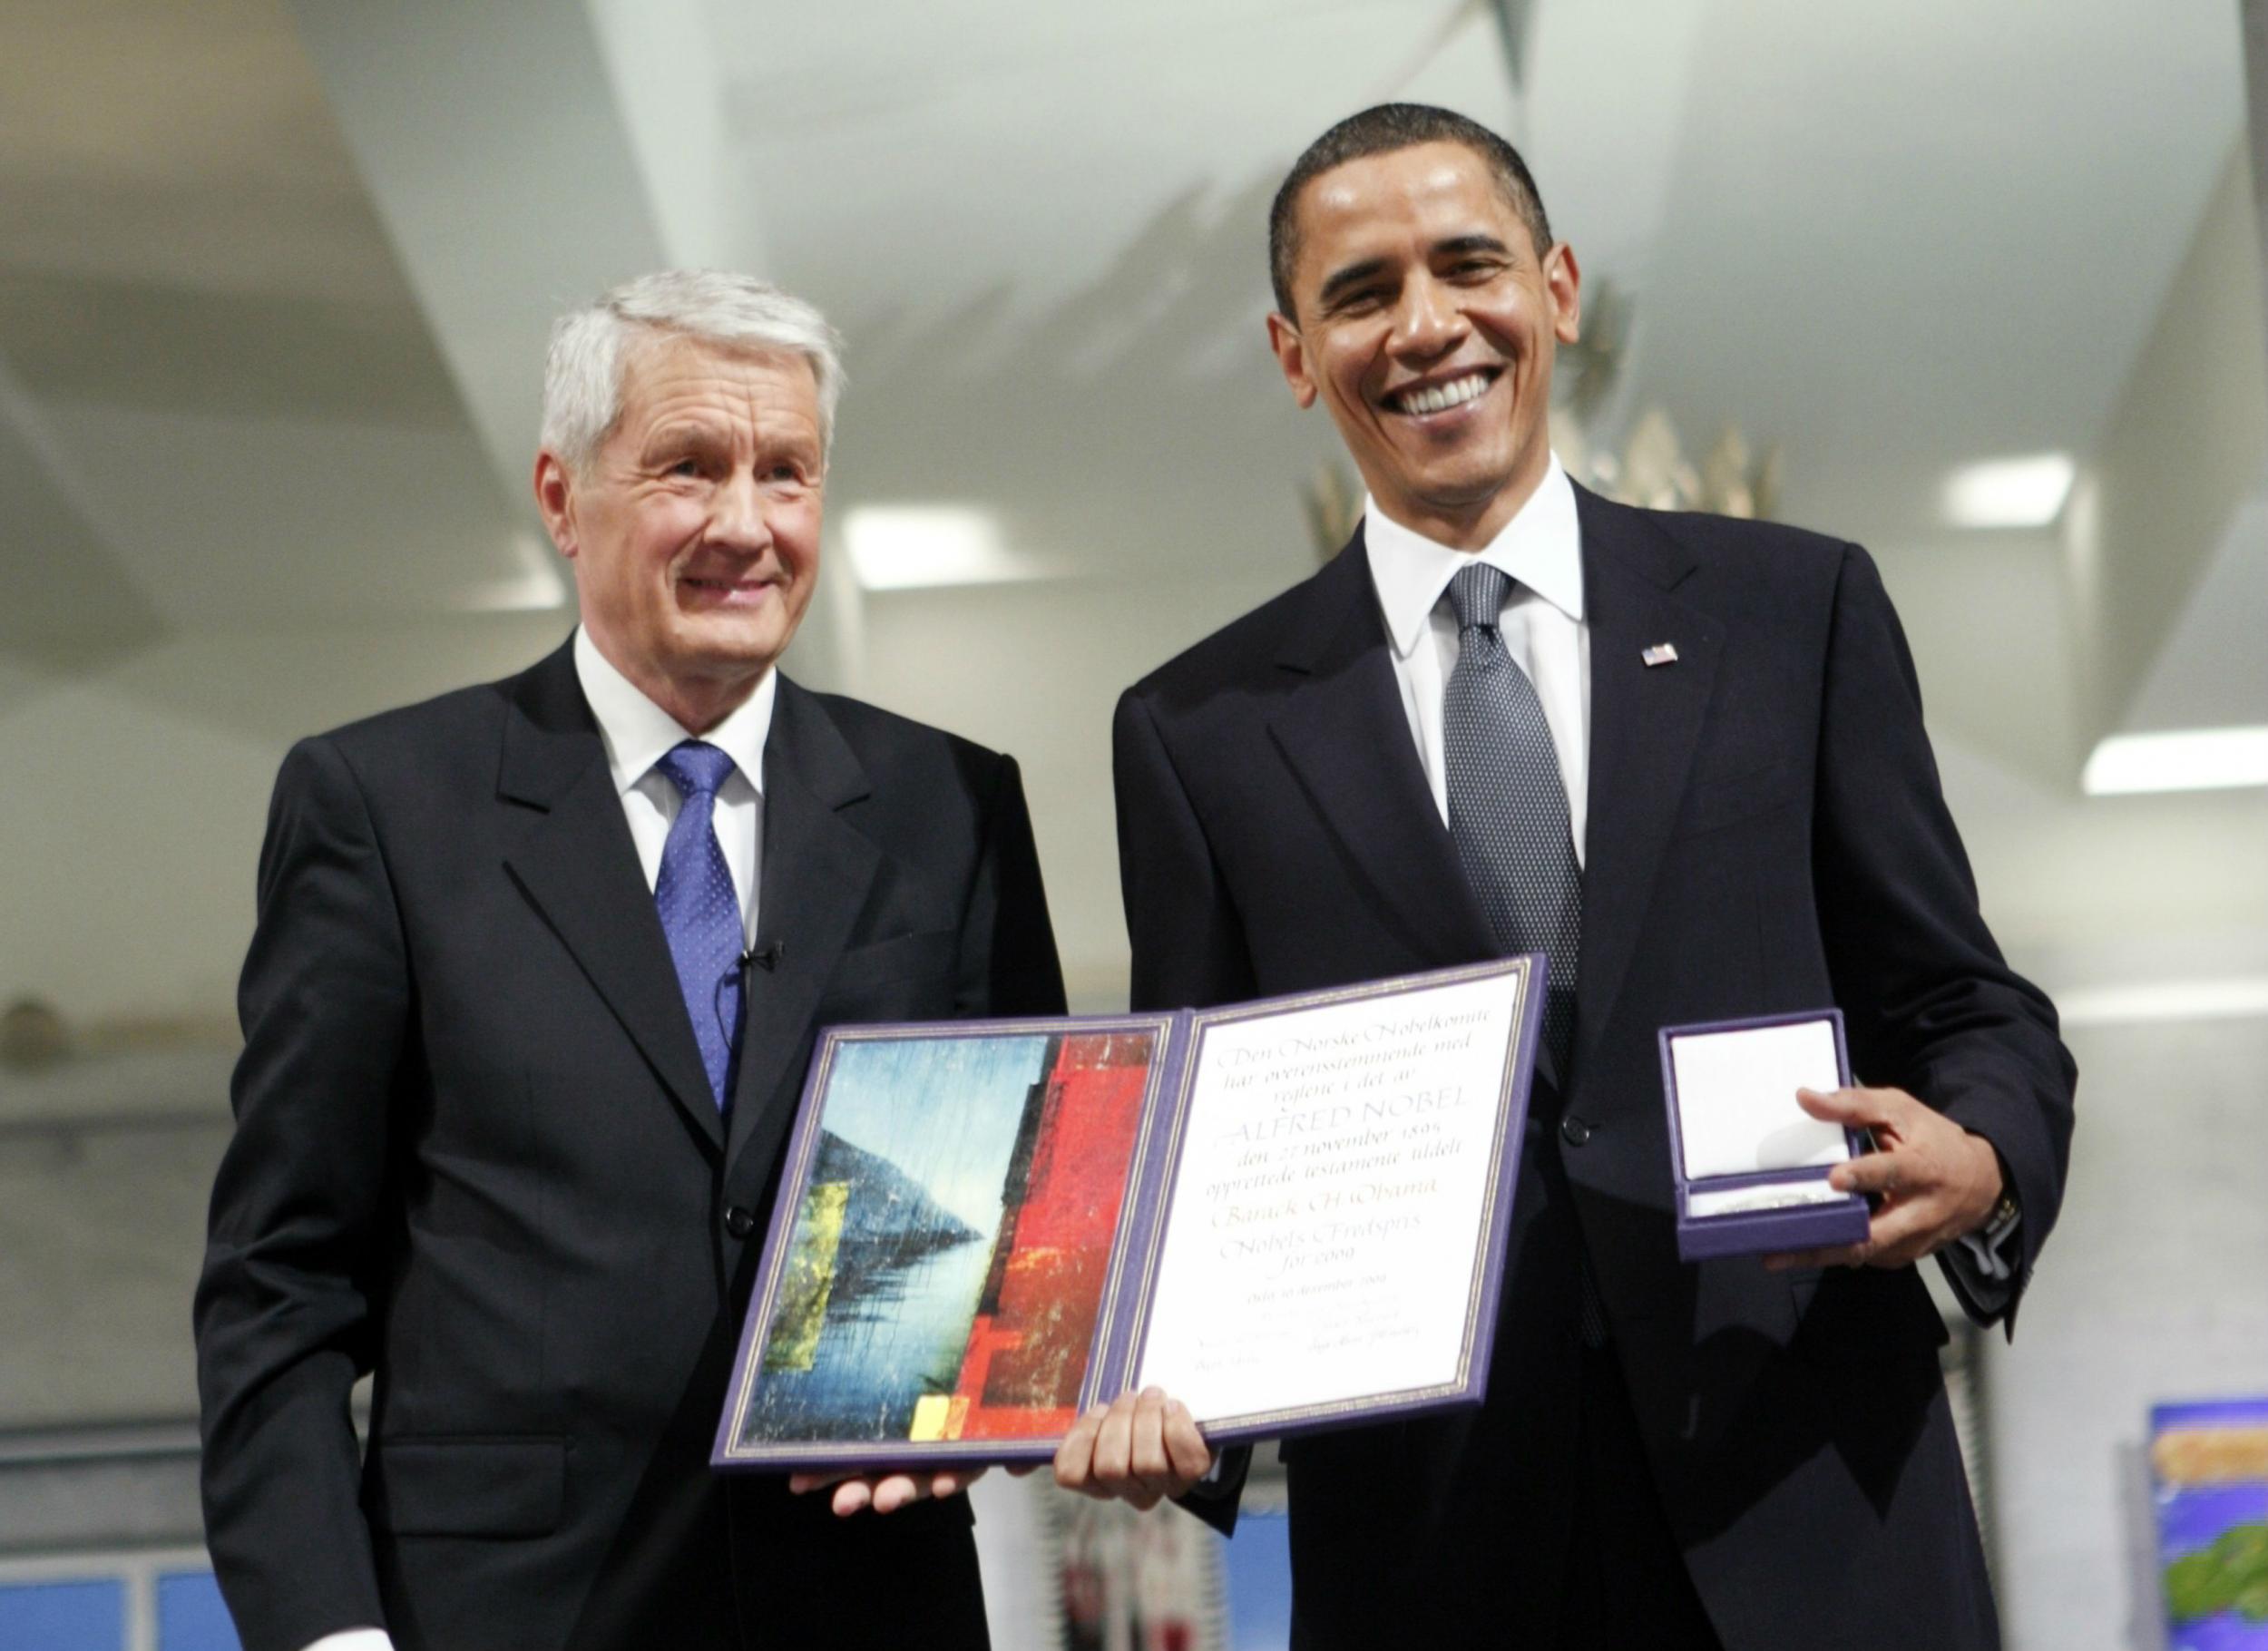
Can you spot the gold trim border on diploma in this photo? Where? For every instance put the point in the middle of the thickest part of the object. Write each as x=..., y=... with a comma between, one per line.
x=1518, y=969
x=797, y=1172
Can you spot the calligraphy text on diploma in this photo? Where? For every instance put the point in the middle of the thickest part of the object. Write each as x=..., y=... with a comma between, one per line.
x=1325, y=1229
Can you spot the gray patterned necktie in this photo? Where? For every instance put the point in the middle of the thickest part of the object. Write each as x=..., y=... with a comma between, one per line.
x=1507, y=802
x=1507, y=813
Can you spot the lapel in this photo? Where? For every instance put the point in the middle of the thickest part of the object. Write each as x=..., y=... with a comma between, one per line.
x=1645, y=723
x=580, y=867
x=1343, y=729
x=817, y=868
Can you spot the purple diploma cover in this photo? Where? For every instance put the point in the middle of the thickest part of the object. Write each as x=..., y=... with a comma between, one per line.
x=1749, y=1164
x=1290, y=1214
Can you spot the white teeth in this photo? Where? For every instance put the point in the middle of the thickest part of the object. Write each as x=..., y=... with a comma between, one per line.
x=1440, y=398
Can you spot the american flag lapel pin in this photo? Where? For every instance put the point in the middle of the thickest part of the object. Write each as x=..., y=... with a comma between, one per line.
x=1660, y=653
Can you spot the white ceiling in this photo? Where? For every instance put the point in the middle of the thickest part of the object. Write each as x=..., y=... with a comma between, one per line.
x=1893, y=240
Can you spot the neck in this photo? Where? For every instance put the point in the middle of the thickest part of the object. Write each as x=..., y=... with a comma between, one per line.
x=1470, y=527
x=696, y=704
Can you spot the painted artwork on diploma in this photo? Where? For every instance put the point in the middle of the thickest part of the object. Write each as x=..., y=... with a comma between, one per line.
x=951, y=1247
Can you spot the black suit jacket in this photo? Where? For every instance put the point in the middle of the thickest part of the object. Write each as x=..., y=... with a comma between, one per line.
x=1765, y=833
x=476, y=1152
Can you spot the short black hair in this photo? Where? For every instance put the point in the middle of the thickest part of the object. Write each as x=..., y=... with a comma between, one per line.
x=1379, y=131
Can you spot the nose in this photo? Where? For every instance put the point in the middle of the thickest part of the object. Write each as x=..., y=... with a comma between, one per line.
x=1429, y=323
x=741, y=519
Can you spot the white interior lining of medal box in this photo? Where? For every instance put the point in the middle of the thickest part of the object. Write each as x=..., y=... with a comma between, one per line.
x=1736, y=1108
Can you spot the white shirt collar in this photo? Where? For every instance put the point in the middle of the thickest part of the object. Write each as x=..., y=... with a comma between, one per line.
x=639, y=733
x=1541, y=547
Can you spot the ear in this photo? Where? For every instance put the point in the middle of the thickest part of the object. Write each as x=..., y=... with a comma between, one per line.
x=555, y=499
x=1563, y=279
x=1291, y=356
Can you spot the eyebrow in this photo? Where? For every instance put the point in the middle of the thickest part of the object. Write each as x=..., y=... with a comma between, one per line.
x=1457, y=244
x=1354, y=275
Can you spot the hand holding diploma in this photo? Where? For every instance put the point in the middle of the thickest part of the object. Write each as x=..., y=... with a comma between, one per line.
x=884, y=1492
x=1935, y=1180
x=1142, y=1448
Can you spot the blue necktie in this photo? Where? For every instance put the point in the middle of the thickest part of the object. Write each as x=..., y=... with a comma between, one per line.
x=700, y=915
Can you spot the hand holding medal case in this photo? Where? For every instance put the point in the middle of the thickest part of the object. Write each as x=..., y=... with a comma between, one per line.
x=1751, y=1166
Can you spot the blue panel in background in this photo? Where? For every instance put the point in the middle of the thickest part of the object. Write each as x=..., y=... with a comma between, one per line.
x=191, y=1616
x=63, y=1615
x=1257, y=1563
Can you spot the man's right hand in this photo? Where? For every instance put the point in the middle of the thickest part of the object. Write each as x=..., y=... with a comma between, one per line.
x=1141, y=1449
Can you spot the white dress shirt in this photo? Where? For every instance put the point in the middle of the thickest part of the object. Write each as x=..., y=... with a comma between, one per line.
x=637, y=734
x=1542, y=628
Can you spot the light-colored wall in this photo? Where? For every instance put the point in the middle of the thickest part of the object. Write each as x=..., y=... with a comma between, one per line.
x=2155, y=1287
x=2183, y=450
x=1036, y=669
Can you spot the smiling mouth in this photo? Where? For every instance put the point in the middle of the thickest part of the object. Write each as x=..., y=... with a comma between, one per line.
x=1419, y=401
x=728, y=589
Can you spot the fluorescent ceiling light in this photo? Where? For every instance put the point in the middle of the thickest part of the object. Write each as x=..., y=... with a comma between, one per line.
x=2233, y=997
x=2181, y=759
x=905, y=547
x=2010, y=493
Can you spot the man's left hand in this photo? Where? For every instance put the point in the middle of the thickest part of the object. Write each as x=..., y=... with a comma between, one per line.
x=1935, y=1181
x=884, y=1492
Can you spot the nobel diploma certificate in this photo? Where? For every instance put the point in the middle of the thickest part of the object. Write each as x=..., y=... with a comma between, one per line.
x=1327, y=1229
x=1290, y=1214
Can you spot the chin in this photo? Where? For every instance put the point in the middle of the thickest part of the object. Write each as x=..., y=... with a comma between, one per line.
x=735, y=647
x=1465, y=490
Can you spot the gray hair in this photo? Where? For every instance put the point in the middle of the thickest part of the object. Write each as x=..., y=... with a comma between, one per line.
x=582, y=374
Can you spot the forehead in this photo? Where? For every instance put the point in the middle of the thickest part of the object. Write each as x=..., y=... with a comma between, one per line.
x=1405, y=199
x=668, y=376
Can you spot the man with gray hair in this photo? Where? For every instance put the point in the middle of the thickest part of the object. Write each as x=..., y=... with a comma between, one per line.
x=527, y=1012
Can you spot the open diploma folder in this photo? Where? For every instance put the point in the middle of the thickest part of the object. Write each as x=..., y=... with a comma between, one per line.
x=1290, y=1214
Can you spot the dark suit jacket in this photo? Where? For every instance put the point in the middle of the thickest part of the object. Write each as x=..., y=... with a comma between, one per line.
x=476, y=1152
x=1765, y=833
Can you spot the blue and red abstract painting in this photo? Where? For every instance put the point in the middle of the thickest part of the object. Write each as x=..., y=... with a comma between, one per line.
x=953, y=1238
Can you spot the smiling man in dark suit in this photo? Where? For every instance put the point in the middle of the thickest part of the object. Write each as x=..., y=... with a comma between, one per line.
x=534, y=983
x=1684, y=756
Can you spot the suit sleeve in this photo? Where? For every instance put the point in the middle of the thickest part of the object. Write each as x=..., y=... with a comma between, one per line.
x=1188, y=943
x=1188, y=948
x=1932, y=1006
x=283, y=1316
x=1008, y=960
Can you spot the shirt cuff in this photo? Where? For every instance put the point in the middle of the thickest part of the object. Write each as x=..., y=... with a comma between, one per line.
x=1979, y=1271
x=1982, y=1249
x=355, y=1639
